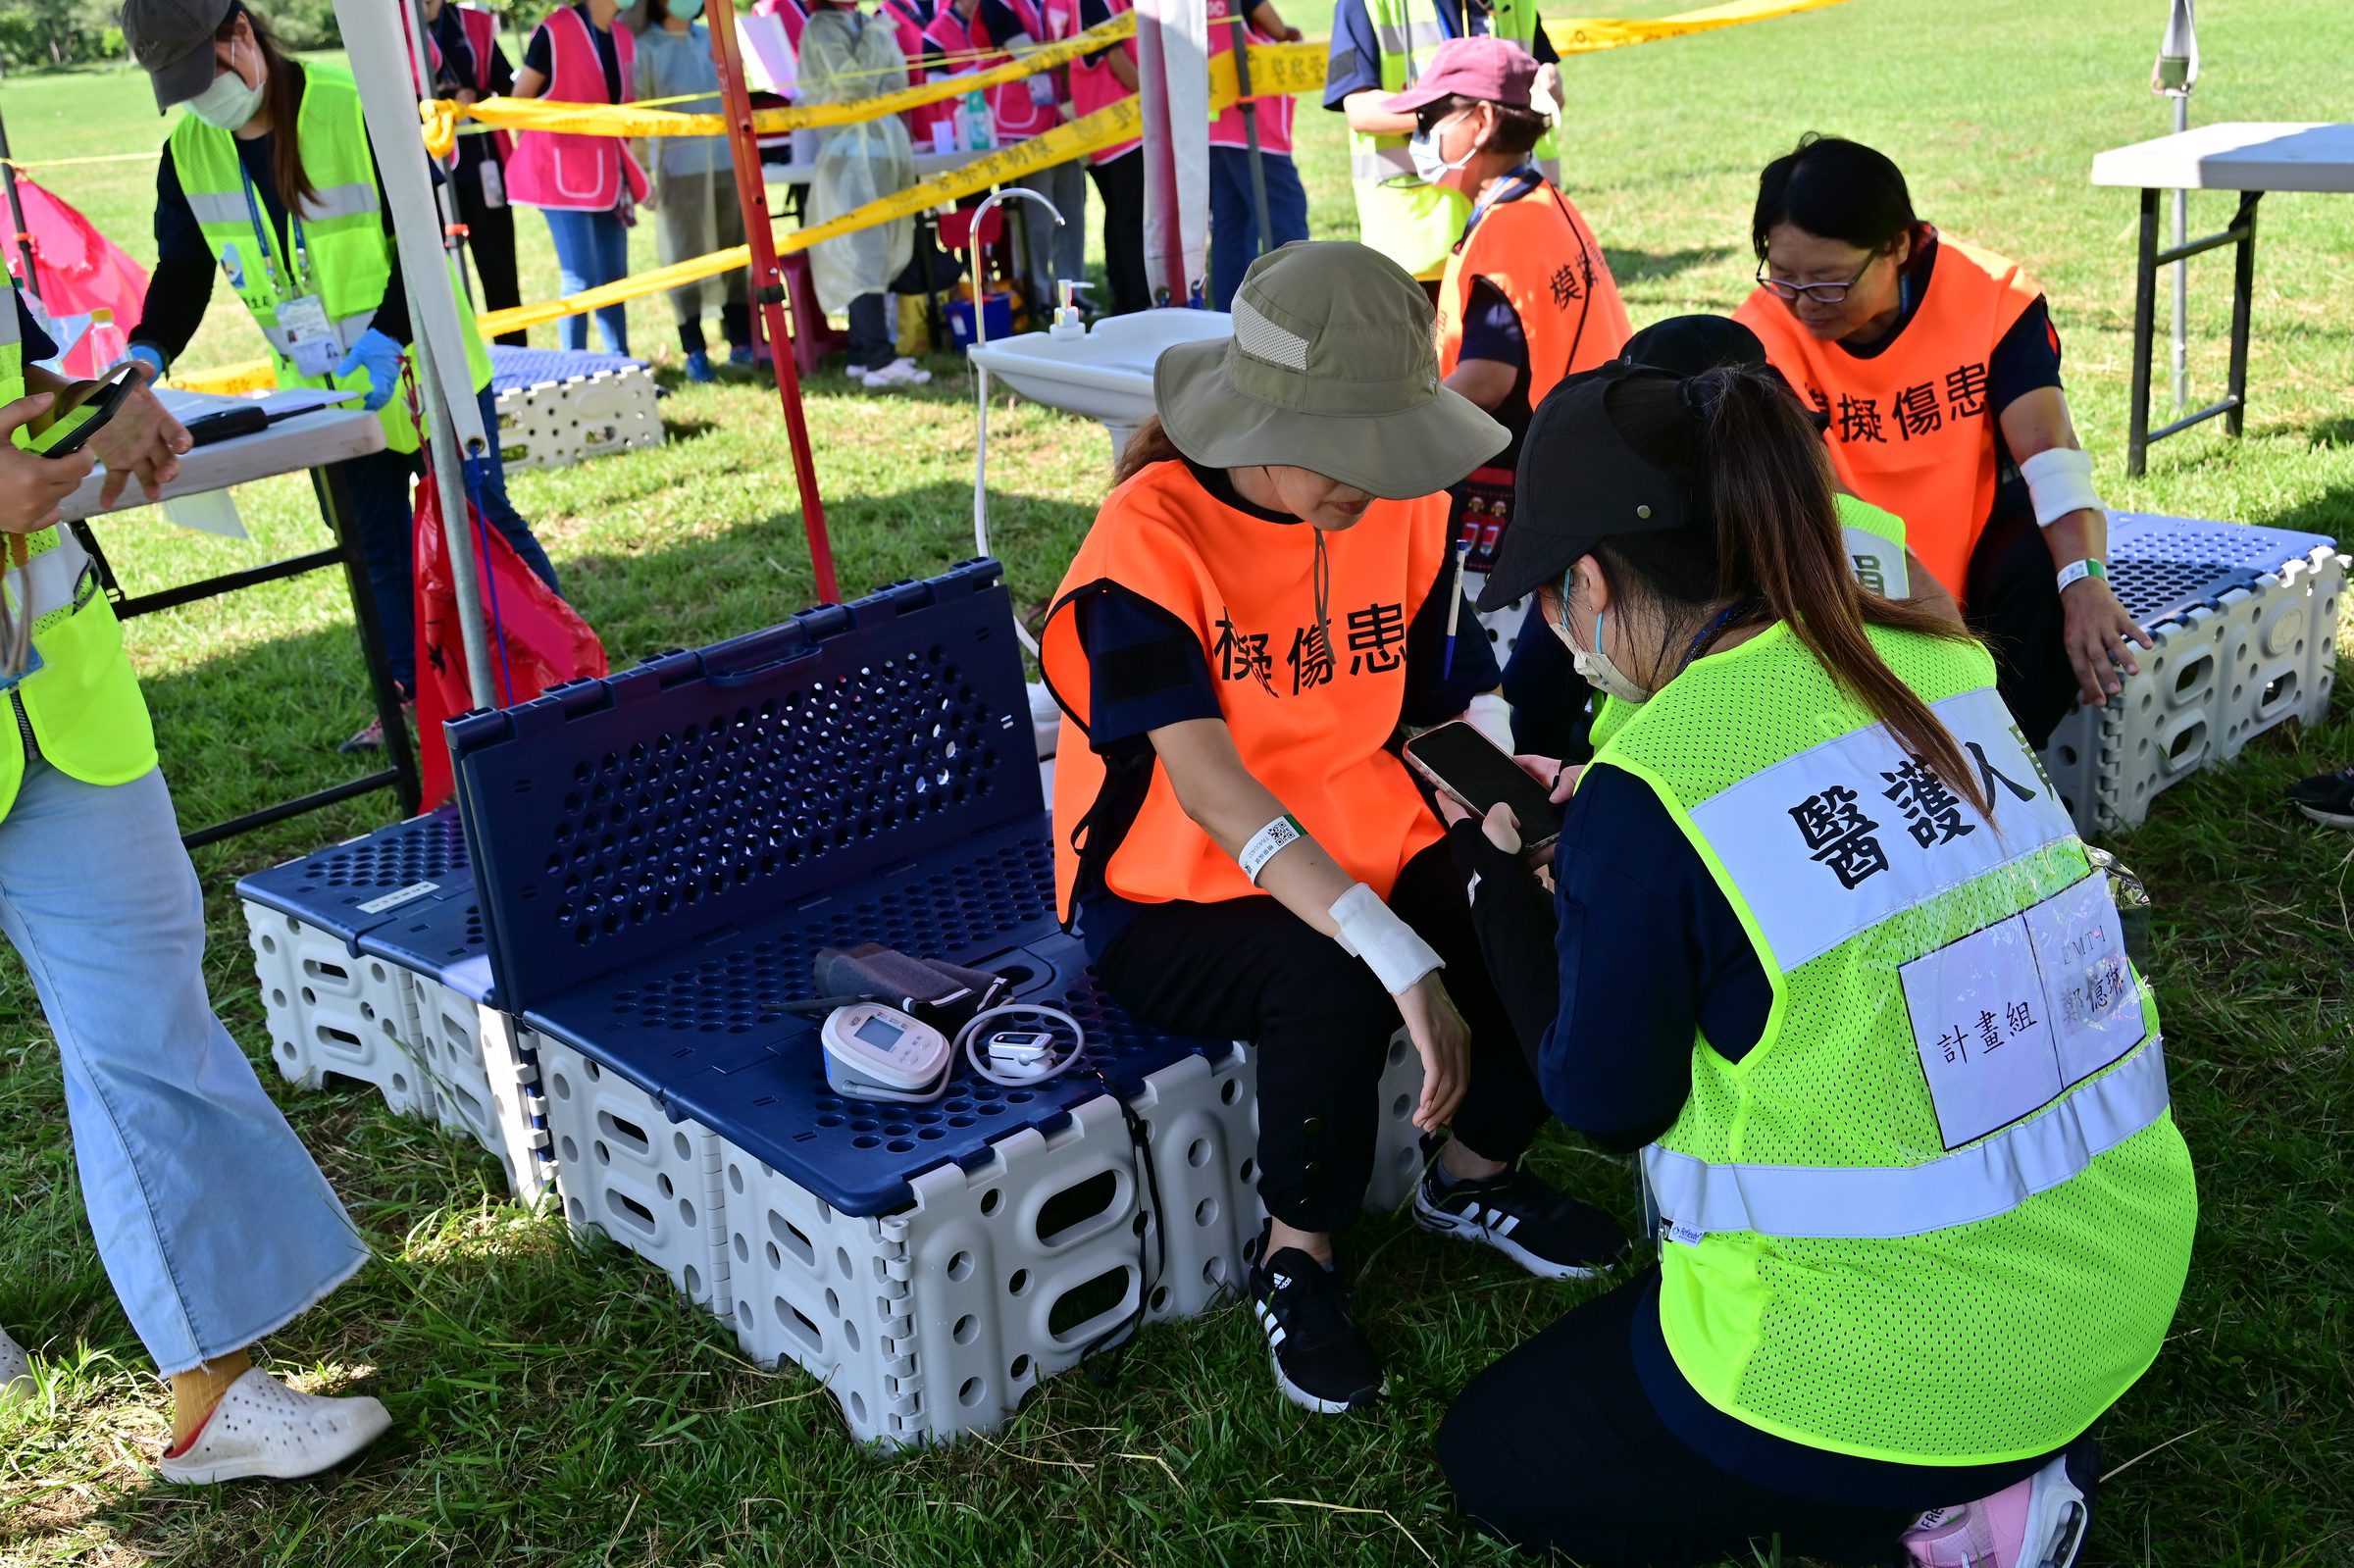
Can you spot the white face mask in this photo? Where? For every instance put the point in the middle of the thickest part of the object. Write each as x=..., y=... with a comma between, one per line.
x=228, y=103
x=1430, y=165
x=1595, y=667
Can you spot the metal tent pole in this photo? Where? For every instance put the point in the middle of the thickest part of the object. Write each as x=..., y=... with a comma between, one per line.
x=768, y=287
x=2181, y=275
x=1259, y=167
x=16, y=219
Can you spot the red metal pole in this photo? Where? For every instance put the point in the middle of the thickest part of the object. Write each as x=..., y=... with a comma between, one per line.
x=768, y=285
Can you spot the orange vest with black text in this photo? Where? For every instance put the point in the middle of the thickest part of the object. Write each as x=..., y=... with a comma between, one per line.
x=1911, y=430
x=1540, y=255
x=1310, y=716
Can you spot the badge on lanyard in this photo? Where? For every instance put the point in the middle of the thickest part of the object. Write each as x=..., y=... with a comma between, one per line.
x=310, y=341
x=494, y=184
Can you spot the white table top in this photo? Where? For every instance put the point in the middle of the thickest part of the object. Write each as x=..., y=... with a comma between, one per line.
x=2237, y=155
x=300, y=442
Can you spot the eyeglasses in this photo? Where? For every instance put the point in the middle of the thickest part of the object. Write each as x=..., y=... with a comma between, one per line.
x=1431, y=117
x=1820, y=294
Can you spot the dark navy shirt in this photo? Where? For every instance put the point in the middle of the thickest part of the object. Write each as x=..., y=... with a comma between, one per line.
x=1356, y=64
x=1147, y=669
x=541, y=53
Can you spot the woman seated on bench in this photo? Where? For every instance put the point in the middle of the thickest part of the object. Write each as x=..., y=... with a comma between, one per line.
x=1261, y=602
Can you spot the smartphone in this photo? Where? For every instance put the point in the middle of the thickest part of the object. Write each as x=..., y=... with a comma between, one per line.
x=1461, y=762
x=82, y=410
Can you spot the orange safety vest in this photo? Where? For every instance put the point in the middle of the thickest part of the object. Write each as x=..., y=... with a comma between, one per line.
x=1312, y=723
x=1911, y=430
x=1540, y=255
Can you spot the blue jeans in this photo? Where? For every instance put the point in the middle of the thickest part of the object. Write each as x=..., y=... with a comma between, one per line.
x=591, y=248
x=1234, y=216
x=387, y=528
x=215, y=1226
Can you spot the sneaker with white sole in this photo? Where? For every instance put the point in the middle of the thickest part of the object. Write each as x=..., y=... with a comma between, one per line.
x=899, y=373
x=2037, y=1522
x=260, y=1428
x=1323, y=1362
x=2327, y=797
x=1548, y=1232
x=16, y=1372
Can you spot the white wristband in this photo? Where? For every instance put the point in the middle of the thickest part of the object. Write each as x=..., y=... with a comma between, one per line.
x=1371, y=930
x=1276, y=837
x=2076, y=571
x=2060, y=482
x=1492, y=716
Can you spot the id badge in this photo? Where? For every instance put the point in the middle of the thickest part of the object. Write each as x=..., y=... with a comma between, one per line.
x=310, y=342
x=495, y=184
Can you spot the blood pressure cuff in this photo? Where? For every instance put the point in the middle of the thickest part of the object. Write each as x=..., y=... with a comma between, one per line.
x=941, y=993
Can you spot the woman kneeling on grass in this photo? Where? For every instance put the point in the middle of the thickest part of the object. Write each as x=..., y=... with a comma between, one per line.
x=1260, y=605
x=1824, y=944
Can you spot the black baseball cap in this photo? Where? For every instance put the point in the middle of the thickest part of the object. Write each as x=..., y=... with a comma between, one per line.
x=1610, y=451
x=173, y=43
x=1691, y=344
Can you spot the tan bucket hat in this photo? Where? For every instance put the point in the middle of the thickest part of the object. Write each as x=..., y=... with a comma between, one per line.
x=1332, y=367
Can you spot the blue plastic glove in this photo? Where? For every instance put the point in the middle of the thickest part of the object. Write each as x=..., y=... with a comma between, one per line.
x=379, y=357
x=149, y=355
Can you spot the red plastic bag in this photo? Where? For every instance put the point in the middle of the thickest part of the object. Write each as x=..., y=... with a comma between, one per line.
x=536, y=640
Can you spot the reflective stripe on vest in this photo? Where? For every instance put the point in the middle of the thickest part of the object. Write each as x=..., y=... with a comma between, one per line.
x=1910, y=428
x=1878, y=1202
x=350, y=261
x=83, y=704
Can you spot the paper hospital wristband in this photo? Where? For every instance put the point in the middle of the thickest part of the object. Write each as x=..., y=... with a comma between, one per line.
x=1270, y=840
x=1371, y=930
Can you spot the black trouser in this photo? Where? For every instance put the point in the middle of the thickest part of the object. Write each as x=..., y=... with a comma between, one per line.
x=1320, y=1026
x=1557, y=1447
x=870, y=334
x=490, y=236
x=735, y=320
x=1121, y=184
x=2013, y=591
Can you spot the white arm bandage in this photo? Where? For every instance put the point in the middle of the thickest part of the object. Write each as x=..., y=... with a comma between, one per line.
x=1492, y=716
x=1279, y=834
x=1371, y=930
x=2060, y=482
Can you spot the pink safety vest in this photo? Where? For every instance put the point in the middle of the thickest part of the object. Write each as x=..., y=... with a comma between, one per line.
x=1274, y=110
x=908, y=23
x=561, y=170
x=1093, y=86
x=481, y=30
x=1017, y=118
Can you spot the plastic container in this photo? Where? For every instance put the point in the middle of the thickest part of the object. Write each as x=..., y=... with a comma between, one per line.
x=998, y=317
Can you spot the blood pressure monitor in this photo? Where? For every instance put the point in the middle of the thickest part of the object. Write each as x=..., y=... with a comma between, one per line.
x=875, y=1052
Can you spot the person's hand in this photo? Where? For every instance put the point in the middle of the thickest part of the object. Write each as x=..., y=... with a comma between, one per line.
x=1549, y=85
x=2094, y=630
x=1293, y=35
x=653, y=195
x=142, y=438
x=1559, y=778
x=379, y=357
x=1445, y=1046
x=33, y=487
x=467, y=96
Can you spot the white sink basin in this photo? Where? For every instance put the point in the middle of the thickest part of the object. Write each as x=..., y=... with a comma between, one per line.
x=1106, y=375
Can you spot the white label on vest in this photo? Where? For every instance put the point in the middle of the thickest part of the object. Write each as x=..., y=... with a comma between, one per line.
x=393, y=900
x=1835, y=840
x=2009, y=1018
x=310, y=339
x=1880, y=566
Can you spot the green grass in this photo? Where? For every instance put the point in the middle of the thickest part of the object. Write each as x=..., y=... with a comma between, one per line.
x=558, y=1407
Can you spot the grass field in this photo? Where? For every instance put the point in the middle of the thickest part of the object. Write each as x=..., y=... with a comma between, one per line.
x=554, y=1407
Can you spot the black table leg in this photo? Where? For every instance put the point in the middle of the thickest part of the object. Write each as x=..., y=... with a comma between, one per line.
x=335, y=506
x=2145, y=313
x=2243, y=288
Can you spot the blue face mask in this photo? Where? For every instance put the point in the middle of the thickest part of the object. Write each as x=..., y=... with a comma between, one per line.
x=686, y=10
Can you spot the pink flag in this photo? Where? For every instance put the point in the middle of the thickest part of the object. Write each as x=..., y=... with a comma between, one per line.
x=79, y=271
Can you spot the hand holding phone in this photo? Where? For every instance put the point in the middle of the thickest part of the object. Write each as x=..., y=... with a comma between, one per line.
x=80, y=411
x=33, y=487
x=1466, y=765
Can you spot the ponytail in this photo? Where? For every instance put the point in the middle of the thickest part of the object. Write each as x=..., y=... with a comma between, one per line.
x=1778, y=541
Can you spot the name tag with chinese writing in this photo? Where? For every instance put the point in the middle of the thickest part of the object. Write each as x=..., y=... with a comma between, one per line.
x=2009, y=1018
x=310, y=341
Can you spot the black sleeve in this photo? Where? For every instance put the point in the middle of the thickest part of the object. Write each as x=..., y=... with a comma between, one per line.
x=32, y=341
x=181, y=284
x=503, y=74
x=538, y=54
x=1146, y=669
x=1435, y=690
x=999, y=21
x=392, y=313
x=2027, y=358
x=1541, y=47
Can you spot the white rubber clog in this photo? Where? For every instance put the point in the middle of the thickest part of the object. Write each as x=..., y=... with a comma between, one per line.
x=264, y=1429
x=16, y=1371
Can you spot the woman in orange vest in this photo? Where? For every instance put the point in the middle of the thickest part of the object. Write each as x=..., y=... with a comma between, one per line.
x=1938, y=369
x=1263, y=601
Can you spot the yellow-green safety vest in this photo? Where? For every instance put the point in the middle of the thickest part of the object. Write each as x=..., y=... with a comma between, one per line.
x=82, y=706
x=1875, y=548
x=1940, y=1212
x=343, y=254
x=1413, y=223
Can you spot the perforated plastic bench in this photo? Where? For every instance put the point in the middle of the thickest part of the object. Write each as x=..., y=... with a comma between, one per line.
x=2245, y=621
x=665, y=850
x=556, y=407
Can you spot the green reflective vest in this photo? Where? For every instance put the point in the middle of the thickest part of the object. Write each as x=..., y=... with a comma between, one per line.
x=1875, y=544
x=1940, y=1213
x=339, y=250
x=82, y=706
x=1412, y=224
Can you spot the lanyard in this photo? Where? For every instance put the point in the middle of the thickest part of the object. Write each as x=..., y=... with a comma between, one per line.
x=1518, y=184
x=1714, y=629
x=261, y=236
x=1463, y=8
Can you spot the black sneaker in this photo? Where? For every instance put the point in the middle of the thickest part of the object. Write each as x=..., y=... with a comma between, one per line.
x=1323, y=1362
x=1546, y=1231
x=2328, y=798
